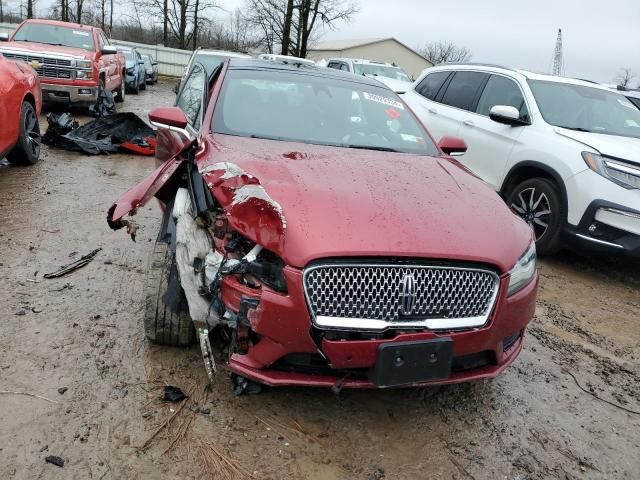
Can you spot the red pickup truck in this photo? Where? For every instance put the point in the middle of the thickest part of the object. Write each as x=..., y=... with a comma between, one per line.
x=72, y=60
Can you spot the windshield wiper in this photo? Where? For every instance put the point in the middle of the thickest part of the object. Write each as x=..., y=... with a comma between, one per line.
x=577, y=129
x=370, y=147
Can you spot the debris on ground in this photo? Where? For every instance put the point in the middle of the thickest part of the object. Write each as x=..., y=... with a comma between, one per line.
x=173, y=394
x=61, y=390
x=109, y=134
x=81, y=262
x=105, y=104
x=57, y=461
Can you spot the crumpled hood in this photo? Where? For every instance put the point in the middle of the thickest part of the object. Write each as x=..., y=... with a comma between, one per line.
x=43, y=48
x=339, y=202
x=625, y=148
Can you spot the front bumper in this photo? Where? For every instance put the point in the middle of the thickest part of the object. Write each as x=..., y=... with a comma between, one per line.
x=57, y=93
x=285, y=331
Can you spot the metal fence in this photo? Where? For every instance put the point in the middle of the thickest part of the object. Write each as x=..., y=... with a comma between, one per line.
x=171, y=61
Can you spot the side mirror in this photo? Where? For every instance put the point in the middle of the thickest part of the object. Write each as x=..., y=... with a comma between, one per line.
x=155, y=62
x=452, y=146
x=168, y=117
x=4, y=37
x=140, y=62
x=108, y=50
x=507, y=115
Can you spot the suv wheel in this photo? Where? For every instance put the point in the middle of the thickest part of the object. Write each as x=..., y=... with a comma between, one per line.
x=27, y=150
x=162, y=325
x=539, y=203
x=143, y=85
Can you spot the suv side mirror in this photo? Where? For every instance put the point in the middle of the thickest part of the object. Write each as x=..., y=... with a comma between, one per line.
x=452, y=146
x=507, y=115
x=108, y=50
x=4, y=37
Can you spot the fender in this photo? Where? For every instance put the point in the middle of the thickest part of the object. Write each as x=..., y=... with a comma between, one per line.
x=541, y=166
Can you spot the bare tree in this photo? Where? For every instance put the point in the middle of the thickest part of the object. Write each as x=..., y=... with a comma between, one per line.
x=292, y=23
x=625, y=77
x=443, y=52
x=30, y=8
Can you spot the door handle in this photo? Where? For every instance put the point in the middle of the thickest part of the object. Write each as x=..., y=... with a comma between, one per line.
x=433, y=111
x=468, y=123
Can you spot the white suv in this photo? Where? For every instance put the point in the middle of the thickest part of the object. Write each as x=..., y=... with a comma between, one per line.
x=387, y=73
x=563, y=153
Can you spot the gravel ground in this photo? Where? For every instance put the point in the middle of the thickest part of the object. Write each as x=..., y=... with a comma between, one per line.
x=78, y=343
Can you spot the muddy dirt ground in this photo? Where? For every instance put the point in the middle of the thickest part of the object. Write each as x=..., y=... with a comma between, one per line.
x=82, y=333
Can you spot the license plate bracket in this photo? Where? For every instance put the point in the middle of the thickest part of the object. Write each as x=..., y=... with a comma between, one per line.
x=405, y=363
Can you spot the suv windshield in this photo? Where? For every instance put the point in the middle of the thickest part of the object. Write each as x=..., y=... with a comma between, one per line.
x=55, y=35
x=586, y=109
x=381, y=70
x=319, y=110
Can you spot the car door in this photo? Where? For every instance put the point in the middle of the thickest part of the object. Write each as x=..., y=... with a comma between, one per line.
x=490, y=143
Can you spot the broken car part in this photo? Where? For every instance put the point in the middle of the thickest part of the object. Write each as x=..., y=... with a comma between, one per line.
x=81, y=262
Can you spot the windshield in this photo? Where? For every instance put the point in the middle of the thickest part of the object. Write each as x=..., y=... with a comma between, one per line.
x=147, y=61
x=586, y=109
x=381, y=70
x=313, y=109
x=55, y=35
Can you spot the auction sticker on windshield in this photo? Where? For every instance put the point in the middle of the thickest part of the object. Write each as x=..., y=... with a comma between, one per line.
x=84, y=34
x=384, y=100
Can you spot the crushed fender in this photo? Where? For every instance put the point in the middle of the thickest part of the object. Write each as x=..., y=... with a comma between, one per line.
x=109, y=134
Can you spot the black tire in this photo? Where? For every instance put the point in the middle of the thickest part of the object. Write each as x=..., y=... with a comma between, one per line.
x=121, y=95
x=27, y=149
x=539, y=203
x=161, y=324
x=144, y=83
x=136, y=89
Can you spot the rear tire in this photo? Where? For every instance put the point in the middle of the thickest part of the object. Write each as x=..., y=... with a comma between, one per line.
x=539, y=203
x=162, y=325
x=27, y=149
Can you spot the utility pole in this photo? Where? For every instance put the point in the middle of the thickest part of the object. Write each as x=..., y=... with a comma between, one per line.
x=558, y=62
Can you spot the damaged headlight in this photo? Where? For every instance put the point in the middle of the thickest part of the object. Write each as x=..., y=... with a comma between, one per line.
x=523, y=271
x=269, y=269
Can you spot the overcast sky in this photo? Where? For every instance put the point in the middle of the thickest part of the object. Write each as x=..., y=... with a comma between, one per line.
x=599, y=36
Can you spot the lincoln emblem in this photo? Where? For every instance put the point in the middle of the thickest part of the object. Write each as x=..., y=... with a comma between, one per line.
x=407, y=295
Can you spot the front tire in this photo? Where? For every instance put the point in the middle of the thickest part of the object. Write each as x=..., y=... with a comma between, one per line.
x=143, y=85
x=27, y=149
x=539, y=203
x=163, y=325
x=122, y=90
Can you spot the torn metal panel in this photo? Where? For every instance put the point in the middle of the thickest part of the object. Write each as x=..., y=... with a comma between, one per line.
x=249, y=208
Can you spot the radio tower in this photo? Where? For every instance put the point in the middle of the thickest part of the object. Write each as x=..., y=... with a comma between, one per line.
x=558, y=63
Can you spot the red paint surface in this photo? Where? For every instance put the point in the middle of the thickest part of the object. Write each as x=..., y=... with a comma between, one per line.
x=18, y=81
x=111, y=65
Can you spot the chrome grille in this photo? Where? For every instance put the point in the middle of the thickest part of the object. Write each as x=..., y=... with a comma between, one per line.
x=381, y=295
x=51, y=67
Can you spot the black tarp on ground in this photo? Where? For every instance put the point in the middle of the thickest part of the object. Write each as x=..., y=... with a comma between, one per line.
x=105, y=104
x=109, y=134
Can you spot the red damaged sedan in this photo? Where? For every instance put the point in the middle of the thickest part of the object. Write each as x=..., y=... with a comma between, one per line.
x=314, y=234
x=20, y=104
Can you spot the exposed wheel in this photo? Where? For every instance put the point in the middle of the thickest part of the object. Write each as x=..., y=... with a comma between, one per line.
x=27, y=150
x=121, y=94
x=162, y=324
x=539, y=203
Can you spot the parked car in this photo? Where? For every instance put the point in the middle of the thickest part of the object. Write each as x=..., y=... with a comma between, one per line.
x=135, y=69
x=72, y=60
x=563, y=153
x=390, y=74
x=285, y=58
x=209, y=59
x=320, y=234
x=20, y=104
x=151, y=69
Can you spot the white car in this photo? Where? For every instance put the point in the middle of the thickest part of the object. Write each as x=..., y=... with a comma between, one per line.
x=563, y=153
x=387, y=73
x=285, y=58
x=209, y=59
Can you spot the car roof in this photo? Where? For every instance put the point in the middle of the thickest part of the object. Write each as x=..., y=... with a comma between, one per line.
x=284, y=66
x=226, y=53
x=58, y=23
x=524, y=74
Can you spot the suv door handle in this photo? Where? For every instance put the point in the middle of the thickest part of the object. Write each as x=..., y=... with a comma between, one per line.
x=468, y=123
x=433, y=111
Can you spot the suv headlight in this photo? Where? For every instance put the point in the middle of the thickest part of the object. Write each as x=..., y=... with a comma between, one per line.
x=623, y=173
x=523, y=271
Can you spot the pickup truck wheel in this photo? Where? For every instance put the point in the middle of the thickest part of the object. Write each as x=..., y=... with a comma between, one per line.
x=27, y=149
x=539, y=203
x=121, y=94
x=162, y=325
